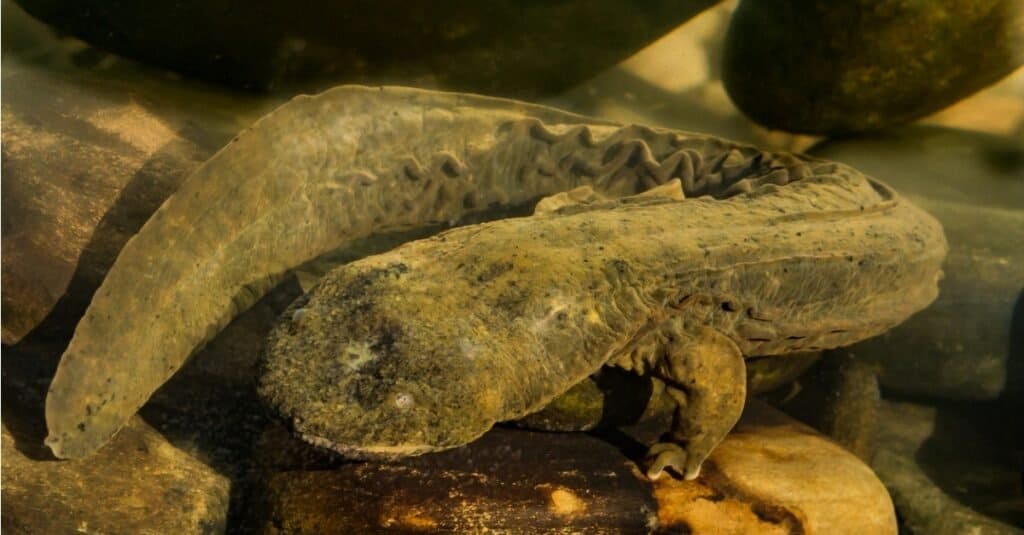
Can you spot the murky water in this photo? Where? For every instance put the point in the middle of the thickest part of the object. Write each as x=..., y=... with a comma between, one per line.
x=108, y=111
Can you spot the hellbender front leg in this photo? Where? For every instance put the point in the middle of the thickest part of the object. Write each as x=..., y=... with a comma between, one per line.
x=705, y=375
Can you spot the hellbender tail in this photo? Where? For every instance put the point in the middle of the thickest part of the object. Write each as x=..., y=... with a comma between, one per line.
x=321, y=171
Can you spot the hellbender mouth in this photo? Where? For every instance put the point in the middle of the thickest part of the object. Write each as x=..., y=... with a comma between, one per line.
x=369, y=452
x=322, y=171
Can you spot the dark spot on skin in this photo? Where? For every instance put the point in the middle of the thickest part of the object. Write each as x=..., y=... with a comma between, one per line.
x=386, y=341
x=443, y=196
x=512, y=301
x=81, y=426
x=715, y=498
x=728, y=306
x=372, y=384
x=360, y=286
x=469, y=201
x=411, y=173
x=619, y=265
x=493, y=271
x=450, y=169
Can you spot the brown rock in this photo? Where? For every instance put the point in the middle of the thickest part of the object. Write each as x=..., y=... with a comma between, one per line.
x=207, y=415
x=952, y=469
x=140, y=484
x=88, y=154
x=500, y=47
x=508, y=480
x=839, y=396
x=771, y=475
x=789, y=472
x=825, y=67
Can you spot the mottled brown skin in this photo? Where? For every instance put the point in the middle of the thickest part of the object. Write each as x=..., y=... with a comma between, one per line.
x=426, y=347
x=321, y=172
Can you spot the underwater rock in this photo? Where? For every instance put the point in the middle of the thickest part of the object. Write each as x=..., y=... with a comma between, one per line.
x=838, y=396
x=771, y=475
x=89, y=153
x=501, y=47
x=140, y=484
x=962, y=346
x=68, y=153
x=950, y=469
x=515, y=481
x=827, y=67
x=789, y=468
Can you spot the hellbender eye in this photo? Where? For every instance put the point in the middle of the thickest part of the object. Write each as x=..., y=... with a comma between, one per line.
x=403, y=400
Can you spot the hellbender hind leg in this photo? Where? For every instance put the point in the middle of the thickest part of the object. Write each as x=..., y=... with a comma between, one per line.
x=705, y=375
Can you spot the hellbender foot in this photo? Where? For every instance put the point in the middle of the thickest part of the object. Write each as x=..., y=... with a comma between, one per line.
x=427, y=346
x=322, y=171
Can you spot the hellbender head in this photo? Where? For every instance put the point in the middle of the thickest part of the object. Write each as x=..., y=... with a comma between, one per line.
x=371, y=366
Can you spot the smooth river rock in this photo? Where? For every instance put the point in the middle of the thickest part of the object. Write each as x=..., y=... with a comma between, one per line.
x=506, y=47
x=771, y=475
x=838, y=67
x=953, y=469
x=969, y=344
x=92, y=145
x=140, y=483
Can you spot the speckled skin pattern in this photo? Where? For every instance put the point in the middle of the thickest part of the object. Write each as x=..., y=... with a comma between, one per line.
x=427, y=346
x=322, y=171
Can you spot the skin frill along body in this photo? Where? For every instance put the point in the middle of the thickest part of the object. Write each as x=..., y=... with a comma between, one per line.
x=323, y=171
x=427, y=346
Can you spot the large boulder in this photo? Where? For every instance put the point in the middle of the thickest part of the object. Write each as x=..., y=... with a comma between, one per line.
x=139, y=483
x=838, y=67
x=506, y=47
x=89, y=152
x=951, y=469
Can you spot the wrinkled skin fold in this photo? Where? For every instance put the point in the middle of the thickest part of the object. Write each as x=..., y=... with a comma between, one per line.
x=427, y=346
x=322, y=171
